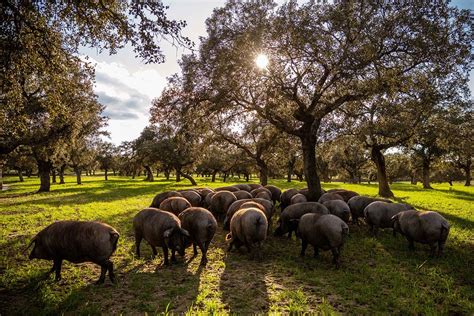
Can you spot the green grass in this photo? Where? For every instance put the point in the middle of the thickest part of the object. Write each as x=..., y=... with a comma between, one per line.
x=377, y=275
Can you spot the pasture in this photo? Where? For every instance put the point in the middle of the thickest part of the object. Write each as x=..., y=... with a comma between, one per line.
x=378, y=275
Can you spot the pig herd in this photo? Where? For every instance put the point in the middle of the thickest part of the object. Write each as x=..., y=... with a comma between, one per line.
x=176, y=220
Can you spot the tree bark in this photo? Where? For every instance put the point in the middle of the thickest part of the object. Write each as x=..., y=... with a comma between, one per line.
x=291, y=166
x=44, y=170
x=213, y=179
x=467, y=171
x=189, y=177
x=263, y=169
x=379, y=160
x=1, y=174
x=78, y=172
x=308, y=143
x=53, y=175
x=247, y=176
x=178, y=174
x=225, y=177
x=20, y=174
x=167, y=174
x=426, y=173
x=149, y=174
x=106, y=175
x=61, y=174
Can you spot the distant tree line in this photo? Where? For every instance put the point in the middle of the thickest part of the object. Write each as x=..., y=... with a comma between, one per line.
x=353, y=91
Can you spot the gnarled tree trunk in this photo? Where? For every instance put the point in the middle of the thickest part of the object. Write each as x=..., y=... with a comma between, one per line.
x=20, y=174
x=44, y=170
x=189, y=177
x=263, y=169
x=308, y=143
x=467, y=171
x=178, y=174
x=53, y=175
x=213, y=179
x=426, y=174
x=379, y=160
x=149, y=174
x=61, y=174
x=78, y=172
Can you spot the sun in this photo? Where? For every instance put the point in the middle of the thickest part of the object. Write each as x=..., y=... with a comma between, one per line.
x=261, y=61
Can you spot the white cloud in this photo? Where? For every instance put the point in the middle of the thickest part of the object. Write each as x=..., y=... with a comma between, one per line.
x=127, y=96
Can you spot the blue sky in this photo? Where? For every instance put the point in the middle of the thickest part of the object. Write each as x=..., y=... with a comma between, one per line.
x=126, y=86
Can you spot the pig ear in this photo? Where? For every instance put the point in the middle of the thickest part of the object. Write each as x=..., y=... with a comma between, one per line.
x=185, y=232
x=167, y=233
x=394, y=218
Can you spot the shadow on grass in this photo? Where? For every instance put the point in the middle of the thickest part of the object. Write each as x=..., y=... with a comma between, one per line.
x=242, y=284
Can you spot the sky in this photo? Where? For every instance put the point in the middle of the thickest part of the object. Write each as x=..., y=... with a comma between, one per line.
x=127, y=86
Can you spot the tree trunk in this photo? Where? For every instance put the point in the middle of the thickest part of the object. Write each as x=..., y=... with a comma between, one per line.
x=213, y=179
x=61, y=174
x=134, y=173
x=426, y=174
x=263, y=169
x=467, y=171
x=178, y=174
x=29, y=172
x=291, y=165
x=1, y=174
x=113, y=170
x=157, y=173
x=189, y=177
x=78, y=172
x=379, y=160
x=53, y=174
x=20, y=174
x=44, y=169
x=308, y=143
x=149, y=174
x=247, y=176
x=413, y=179
x=167, y=174
x=225, y=177
x=106, y=175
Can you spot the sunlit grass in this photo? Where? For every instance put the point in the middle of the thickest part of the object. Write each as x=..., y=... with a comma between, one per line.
x=377, y=275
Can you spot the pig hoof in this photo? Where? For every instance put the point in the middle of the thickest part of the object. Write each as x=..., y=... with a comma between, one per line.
x=99, y=282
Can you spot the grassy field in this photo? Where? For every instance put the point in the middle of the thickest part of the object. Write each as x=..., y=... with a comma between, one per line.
x=378, y=275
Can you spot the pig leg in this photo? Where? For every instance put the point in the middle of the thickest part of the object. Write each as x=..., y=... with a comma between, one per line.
x=57, y=269
x=111, y=271
x=316, y=252
x=411, y=245
x=195, y=252
x=103, y=271
x=375, y=231
x=155, y=252
x=203, y=248
x=138, y=240
x=173, y=255
x=440, y=248
x=335, y=256
x=432, y=249
x=304, y=245
x=165, y=254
